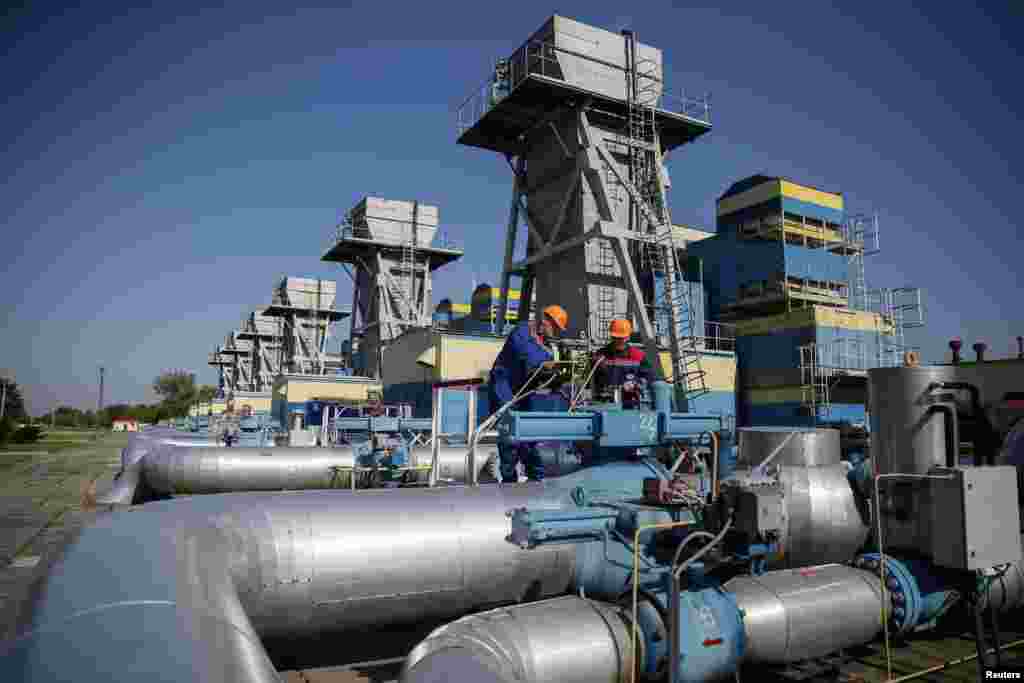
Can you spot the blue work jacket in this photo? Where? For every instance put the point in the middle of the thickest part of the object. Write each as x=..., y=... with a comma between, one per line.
x=521, y=355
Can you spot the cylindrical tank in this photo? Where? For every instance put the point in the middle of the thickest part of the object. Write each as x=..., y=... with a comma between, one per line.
x=803, y=446
x=565, y=640
x=790, y=615
x=908, y=436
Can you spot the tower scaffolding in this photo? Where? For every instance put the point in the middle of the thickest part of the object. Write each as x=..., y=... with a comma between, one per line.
x=583, y=120
x=390, y=249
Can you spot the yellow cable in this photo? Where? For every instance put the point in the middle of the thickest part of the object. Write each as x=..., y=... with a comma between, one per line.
x=636, y=584
x=881, y=556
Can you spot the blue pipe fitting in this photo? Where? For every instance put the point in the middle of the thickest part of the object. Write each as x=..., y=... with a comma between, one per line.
x=711, y=635
x=906, y=607
x=653, y=627
x=536, y=527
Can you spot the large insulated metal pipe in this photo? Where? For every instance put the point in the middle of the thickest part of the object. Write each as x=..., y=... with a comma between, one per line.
x=188, y=587
x=171, y=469
x=564, y=640
x=797, y=614
x=787, y=616
x=824, y=520
x=800, y=446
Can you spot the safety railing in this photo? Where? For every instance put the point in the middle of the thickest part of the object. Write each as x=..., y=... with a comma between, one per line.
x=539, y=58
x=716, y=336
x=345, y=230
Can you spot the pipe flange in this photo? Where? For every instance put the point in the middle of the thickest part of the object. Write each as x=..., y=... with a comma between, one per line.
x=906, y=601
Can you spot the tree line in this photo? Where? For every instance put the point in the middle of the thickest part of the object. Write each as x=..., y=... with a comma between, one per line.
x=177, y=390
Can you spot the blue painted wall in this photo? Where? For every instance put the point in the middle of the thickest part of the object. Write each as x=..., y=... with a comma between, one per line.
x=786, y=414
x=815, y=264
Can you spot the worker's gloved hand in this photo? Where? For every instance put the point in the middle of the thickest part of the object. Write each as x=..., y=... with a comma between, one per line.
x=549, y=365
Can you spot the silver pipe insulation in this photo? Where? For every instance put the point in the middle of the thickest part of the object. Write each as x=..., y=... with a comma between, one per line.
x=788, y=615
x=795, y=614
x=528, y=643
x=177, y=470
x=197, y=583
x=822, y=522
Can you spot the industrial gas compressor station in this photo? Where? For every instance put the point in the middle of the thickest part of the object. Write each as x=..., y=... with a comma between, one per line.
x=666, y=543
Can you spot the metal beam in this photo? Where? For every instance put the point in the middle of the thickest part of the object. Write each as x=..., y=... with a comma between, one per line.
x=557, y=249
x=564, y=206
x=510, y=237
x=550, y=177
x=633, y=288
x=525, y=300
x=558, y=136
x=531, y=222
x=592, y=171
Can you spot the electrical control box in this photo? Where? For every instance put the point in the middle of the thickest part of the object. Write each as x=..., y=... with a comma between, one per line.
x=975, y=517
x=760, y=510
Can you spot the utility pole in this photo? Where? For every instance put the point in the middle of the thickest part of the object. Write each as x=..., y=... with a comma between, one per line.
x=99, y=409
x=6, y=377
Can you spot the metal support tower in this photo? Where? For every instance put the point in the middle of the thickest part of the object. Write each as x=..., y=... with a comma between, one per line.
x=584, y=135
x=388, y=250
x=303, y=312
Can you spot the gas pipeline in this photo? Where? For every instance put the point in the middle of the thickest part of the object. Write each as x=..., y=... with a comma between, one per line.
x=700, y=567
x=676, y=587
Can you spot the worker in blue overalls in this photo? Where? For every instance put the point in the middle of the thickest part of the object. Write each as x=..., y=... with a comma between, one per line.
x=527, y=348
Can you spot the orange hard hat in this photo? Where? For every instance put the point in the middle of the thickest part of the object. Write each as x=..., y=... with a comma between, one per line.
x=558, y=315
x=621, y=328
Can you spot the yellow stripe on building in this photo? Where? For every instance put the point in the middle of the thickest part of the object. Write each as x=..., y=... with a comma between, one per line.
x=811, y=196
x=815, y=316
x=846, y=319
x=719, y=371
x=783, y=321
x=770, y=189
x=513, y=294
x=463, y=358
x=771, y=395
x=299, y=391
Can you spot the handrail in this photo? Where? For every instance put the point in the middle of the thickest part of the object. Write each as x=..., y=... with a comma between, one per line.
x=534, y=57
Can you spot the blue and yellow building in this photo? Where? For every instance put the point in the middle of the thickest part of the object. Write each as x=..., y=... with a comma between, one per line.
x=781, y=268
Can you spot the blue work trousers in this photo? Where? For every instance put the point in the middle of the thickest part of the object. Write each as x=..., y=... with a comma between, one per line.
x=510, y=455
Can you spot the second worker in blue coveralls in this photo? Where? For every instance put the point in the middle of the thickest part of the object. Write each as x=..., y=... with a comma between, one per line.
x=526, y=349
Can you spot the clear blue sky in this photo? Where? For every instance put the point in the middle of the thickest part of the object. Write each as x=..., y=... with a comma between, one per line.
x=164, y=167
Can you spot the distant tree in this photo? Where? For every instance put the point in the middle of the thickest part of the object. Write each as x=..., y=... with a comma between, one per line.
x=205, y=393
x=177, y=388
x=14, y=404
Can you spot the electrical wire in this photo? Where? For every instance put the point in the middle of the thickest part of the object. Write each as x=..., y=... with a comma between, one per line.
x=703, y=551
x=583, y=386
x=882, y=558
x=494, y=417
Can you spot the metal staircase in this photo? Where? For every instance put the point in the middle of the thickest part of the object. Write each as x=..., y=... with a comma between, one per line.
x=409, y=268
x=645, y=161
x=605, y=294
